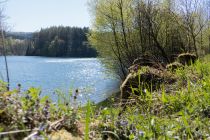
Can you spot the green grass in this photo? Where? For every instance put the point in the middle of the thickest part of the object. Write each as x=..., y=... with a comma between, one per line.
x=177, y=111
x=182, y=113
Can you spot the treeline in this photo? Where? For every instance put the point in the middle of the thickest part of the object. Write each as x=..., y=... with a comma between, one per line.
x=61, y=42
x=15, y=44
x=127, y=29
x=19, y=35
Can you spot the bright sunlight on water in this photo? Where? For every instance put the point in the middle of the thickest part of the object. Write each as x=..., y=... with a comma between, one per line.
x=86, y=74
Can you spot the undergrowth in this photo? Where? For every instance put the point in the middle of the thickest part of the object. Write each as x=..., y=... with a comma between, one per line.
x=177, y=111
x=181, y=112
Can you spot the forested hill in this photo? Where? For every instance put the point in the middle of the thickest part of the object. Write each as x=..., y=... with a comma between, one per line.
x=61, y=42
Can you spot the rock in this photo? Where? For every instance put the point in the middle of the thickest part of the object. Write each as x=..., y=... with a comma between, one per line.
x=187, y=58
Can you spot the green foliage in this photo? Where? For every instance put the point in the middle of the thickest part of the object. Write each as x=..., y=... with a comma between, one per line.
x=61, y=42
x=124, y=30
x=3, y=86
x=182, y=113
x=177, y=111
x=30, y=110
x=87, y=120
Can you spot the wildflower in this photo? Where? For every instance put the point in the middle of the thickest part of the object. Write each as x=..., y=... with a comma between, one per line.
x=27, y=97
x=136, y=68
x=77, y=92
x=123, y=123
x=46, y=111
x=141, y=133
x=37, y=104
x=67, y=104
x=19, y=88
x=133, y=128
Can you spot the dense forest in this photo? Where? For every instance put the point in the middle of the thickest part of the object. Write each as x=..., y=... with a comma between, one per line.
x=53, y=42
x=61, y=42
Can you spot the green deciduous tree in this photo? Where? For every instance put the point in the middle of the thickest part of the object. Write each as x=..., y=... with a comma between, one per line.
x=124, y=30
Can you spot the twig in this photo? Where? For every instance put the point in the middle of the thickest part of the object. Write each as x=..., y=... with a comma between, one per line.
x=31, y=135
x=5, y=57
x=55, y=124
x=17, y=131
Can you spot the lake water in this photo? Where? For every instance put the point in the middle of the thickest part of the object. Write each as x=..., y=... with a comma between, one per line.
x=86, y=74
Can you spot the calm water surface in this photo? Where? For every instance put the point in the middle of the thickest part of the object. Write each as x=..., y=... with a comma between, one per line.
x=86, y=74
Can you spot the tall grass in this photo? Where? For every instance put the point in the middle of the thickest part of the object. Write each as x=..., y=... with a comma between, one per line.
x=87, y=120
x=182, y=113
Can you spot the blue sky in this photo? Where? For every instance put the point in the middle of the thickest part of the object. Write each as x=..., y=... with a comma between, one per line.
x=31, y=15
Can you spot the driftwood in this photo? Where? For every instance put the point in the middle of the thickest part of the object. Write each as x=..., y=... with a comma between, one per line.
x=54, y=126
x=17, y=131
x=31, y=135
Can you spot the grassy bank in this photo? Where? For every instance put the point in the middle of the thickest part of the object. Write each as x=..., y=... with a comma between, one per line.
x=177, y=111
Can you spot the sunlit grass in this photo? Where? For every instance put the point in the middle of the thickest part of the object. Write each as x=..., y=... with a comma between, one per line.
x=183, y=113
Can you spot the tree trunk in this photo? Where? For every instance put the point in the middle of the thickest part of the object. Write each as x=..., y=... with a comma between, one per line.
x=5, y=58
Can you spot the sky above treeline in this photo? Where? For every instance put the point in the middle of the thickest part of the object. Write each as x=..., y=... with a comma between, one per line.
x=32, y=15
